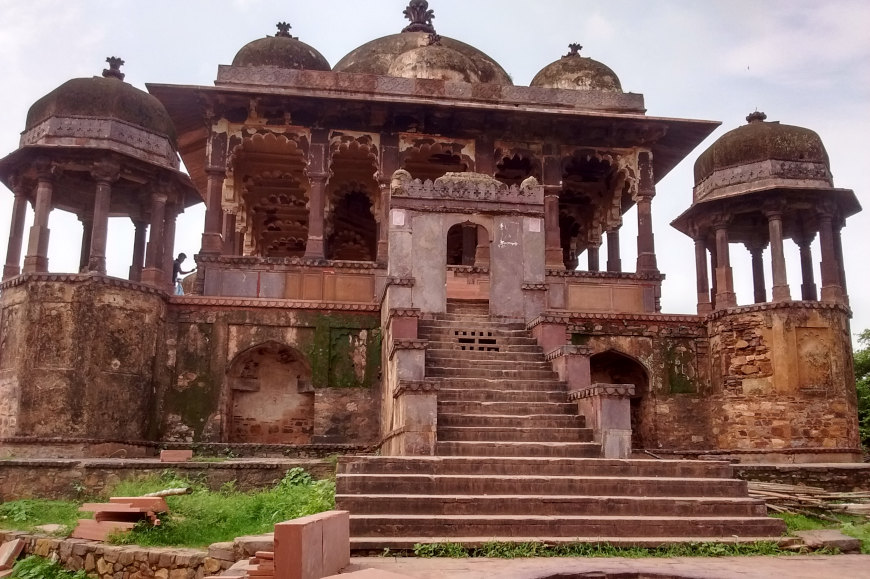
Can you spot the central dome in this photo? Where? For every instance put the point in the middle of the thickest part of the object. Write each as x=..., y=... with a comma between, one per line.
x=418, y=52
x=282, y=51
x=575, y=72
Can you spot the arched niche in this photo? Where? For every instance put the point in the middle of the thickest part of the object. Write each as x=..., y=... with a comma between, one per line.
x=612, y=367
x=270, y=399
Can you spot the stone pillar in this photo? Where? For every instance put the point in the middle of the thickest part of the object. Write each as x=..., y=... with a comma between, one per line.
x=831, y=289
x=469, y=243
x=553, y=258
x=704, y=305
x=646, y=252
x=36, y=260
x=141, y=228
x=481, y=254
x=592, y=258
x=212, y=243
x=389, y=165
x=714, y=284
x=808, y=282
x=614, y=261
x=12, y=267
x=314, y=248
x=725, y=297
x=756, y=251
x=229, y=233
x=781, y=291
x=87, y=220
x=153, y=273
x=169, y=243
x=104, y=173
x=838, y=253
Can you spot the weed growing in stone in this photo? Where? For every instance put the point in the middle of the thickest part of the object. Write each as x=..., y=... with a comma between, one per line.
x=38, y=568
x=858, y=527
x=502, y=550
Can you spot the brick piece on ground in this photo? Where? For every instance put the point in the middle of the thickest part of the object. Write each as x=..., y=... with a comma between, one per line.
x=831, y=539
x=369, y=574
x=221, y=551
x=97, y=530
x=9, y=552
x=156, y=504
x=249, y=545
x=175, y=455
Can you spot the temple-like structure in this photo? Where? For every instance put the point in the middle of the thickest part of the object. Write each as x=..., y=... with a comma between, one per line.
x=355, y=212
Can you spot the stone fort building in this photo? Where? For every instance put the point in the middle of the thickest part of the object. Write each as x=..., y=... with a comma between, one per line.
x=406, y=252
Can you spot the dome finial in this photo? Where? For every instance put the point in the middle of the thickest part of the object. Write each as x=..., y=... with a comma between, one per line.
x=114, y=70
x=756, y=117
x=420, y=16
x=575, y=50
x=283, y=30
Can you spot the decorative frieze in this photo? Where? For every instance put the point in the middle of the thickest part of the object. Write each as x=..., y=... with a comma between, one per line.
x=427, y=386
x=805, y=305
x=474, y=187
x=407, y=344
x=267, y=303
x=603, y=391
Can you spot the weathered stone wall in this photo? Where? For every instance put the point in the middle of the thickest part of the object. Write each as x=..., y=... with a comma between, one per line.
x=783, y=378
x=117, y=562
x=78, y=357
x=220, y=355
x=832, y=477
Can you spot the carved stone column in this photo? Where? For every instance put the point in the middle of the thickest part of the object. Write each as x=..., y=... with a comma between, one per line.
x=87, y=220
x=153, y=273
x=759, y=288
x=314, y=247
x=725, y=297
x=553, y=257
x=646, y=252
x=614, y=260
x=12, y=267
x=212, y=243
x=481, y=254
x=592, y=258
x=104, y=173
x=36, y=260
x=714, y=284
x=141, y=228
x=230, y=236
x=169, y=242
x=831, y=289
x=808, y=283
x=704, y=305
x=781, y=291
x=838, y=253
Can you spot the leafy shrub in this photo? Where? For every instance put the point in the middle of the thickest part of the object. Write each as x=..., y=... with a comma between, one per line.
x=38, y=568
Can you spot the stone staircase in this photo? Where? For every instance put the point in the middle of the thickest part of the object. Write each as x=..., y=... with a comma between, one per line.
x=515, y=463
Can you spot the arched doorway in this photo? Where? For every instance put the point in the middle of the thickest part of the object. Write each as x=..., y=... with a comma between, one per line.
x=271, y=400
x=612, y=367
x=468, y=262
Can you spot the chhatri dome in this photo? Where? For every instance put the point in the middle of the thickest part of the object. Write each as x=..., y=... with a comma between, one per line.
x=282, y=50
x=576, y=72
x=419, y=52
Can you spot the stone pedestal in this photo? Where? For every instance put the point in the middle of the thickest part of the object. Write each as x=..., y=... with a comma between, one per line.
x=607, y=410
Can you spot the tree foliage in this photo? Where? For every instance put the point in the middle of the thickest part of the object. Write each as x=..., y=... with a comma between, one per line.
x=862, y=381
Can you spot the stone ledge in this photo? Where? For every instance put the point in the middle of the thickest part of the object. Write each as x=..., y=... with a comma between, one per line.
x=567, y=350
x=569, y=318
x=613, y=275
x=268, y=303
x=82, y=278
x=407, y=344
x=426, y=386
x=770, y=306
x=235, y=261
x=603, y=391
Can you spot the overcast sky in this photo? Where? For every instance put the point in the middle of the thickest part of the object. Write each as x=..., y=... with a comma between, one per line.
x=803, y=62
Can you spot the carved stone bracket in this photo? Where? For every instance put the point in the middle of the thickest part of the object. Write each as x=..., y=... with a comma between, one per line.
x=603, y=391
x=404, y=313
x=426, y=386
x=407, y=344
x=567, y=350
x=401, y=281
x=540, y=287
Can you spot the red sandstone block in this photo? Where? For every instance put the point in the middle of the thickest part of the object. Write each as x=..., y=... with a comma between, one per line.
x=299, y=548
x=336, y=541
x=156, y=504
x=9, y=552
x=265, y=555
x=97, y=530
x=6, y=573
x=175, y=455
x=369, y=574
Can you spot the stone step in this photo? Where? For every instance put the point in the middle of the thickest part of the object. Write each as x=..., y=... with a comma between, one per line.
x=377, y=545
x=478, y=340
x=441, y=465
x=565, y=526
x=447, y=394
x=489, y=373
x=491, y=449
x=518, y=433
x=513, y=484
x=483, y=356
x=447, y=345
x=462, y=363
x=473, y=323
x=484, y=407
x=549, y=421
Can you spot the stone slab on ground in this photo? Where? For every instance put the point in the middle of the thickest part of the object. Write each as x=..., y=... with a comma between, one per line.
x=793, y=567
x=9, y=552
x=830, y=539
x=6, y=573
x=369, y=574
x=175, y=455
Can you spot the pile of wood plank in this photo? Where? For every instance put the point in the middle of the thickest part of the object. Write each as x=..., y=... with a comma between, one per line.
x=806, y=500
x=119, y=515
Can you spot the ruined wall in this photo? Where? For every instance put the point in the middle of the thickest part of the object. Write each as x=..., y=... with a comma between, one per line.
x=78, y=357
x=270, y=375
x=783, y=378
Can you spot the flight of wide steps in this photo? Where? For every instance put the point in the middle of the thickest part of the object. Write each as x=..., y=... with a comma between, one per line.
x=515, y=463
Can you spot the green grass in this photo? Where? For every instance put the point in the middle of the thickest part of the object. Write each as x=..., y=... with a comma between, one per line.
x=195, y=520
x=858, y=527
x=517, y=550
x=38, y=568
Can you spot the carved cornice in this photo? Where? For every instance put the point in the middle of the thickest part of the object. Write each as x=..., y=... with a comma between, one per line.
x=228, y=302
x=792, y=305
x=606, y=275
x=567, y=350
x=81, y=278
x=401, y=281
x=537, y=287
x=254, y=261
x=475, y=187
x=407, y=344
x=468, y=269
x=692, y=324
x=603, y=391
x=403, y=313
x=427, y=386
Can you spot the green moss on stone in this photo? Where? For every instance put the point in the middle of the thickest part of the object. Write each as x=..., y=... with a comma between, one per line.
x=675, y=361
